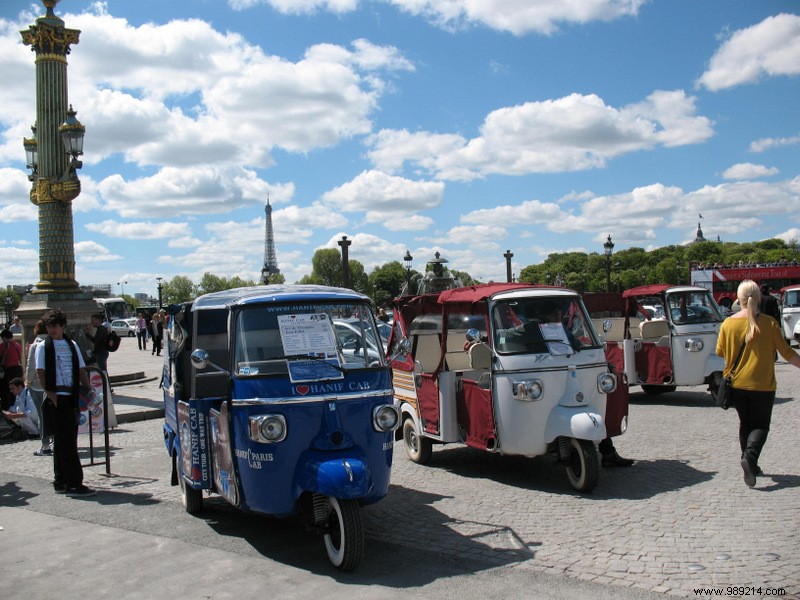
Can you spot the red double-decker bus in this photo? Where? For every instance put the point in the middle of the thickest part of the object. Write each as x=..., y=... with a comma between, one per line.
x=723, y=280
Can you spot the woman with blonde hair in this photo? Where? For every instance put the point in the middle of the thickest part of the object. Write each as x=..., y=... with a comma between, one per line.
x=753, y=382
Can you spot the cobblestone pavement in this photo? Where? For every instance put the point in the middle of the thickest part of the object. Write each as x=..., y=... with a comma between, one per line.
x=681, y=519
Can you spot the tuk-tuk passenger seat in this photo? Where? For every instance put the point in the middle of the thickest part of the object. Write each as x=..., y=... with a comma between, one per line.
x=654, y=330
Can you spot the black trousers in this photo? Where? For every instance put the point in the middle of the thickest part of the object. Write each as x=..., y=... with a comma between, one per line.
x=63, y=419
x=755, y=415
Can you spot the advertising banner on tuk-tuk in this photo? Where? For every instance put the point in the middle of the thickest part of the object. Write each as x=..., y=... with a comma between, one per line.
x=193, y=427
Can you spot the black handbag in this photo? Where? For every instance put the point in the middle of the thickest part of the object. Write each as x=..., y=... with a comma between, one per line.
x=723, y=397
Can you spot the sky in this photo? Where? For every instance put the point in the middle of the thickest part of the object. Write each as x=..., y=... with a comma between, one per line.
x=465, y=127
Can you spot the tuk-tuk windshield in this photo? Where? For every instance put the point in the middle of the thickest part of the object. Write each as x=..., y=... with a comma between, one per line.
x=267, y=336
x=693, y=307
x=555, y=325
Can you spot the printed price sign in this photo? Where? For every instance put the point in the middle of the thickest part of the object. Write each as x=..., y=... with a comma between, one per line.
x=310, y=335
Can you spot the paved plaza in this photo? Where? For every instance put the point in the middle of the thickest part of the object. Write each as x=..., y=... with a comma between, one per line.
x=680, y=520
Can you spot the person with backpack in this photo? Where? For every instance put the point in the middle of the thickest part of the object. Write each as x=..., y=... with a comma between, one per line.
x=97, y=333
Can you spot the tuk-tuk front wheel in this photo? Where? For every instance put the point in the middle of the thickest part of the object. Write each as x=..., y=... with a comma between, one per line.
x=192, y=498
x=418, y=448
x=344, y=534
x=583, y=465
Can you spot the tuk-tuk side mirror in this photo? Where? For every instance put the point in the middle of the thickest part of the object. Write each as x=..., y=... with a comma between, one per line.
x=404, y=346
x=606, y=325
x=201, y=360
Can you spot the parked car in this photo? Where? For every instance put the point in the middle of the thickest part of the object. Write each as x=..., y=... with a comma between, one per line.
x=124, y=327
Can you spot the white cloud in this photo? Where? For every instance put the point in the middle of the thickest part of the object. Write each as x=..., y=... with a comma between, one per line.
x=637, y=216
x=19, y=264
x=142, y=230
x=518, y=16
x=93, y=252
x=386, y=198
x=298, y=6
x=572, y=133
x=770, y=48
x=748, y=171
x=764, y=144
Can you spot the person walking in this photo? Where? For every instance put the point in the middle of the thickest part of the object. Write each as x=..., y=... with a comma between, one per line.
x=61, y=370
x=757, y=336
x=141, y=332
x=11, y=362
x=157, y=333
x=37, y=392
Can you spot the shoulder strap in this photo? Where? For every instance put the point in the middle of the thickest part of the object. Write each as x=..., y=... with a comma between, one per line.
x=738, y=356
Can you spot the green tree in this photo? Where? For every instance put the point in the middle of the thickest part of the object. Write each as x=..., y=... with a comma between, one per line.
x=387, y=280
x=211, y=283
x=178, y=289
x=326, y=267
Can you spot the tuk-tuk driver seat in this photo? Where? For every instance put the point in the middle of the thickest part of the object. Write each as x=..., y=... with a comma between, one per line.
x=480, y=356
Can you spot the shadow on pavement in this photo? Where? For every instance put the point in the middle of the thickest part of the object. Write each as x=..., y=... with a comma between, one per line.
x=13, y=495
x=403, y=564
x=644, y=480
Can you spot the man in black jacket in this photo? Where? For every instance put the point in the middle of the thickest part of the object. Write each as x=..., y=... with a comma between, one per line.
x=98, y=335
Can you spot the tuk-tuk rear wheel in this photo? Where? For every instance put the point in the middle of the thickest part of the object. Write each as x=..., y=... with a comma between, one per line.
x=418, y=448
x=583, y=465
x=344, y=534
x=192, y=499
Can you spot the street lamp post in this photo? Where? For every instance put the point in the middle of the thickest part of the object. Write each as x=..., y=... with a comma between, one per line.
x=407, y=262
x=508, y=256
x=344, y=244
x=160, y=293
x=9, y=302
x=608, y=248
x=52, y=153
x=122, y=285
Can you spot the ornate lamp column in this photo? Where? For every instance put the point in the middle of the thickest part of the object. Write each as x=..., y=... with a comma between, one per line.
x=52, y=154
x=58, y=143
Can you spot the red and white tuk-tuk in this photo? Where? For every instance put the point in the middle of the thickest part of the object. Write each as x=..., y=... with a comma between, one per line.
x=508, y=368
x=661, y=336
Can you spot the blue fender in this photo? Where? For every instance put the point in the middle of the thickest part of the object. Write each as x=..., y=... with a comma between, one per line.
x=342, y=477
x=580, y=422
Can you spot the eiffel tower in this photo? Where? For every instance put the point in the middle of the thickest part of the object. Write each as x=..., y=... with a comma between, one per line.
x=270, y=259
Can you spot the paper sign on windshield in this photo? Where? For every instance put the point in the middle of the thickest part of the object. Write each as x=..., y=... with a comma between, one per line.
x=555, y=332
x=313, y=336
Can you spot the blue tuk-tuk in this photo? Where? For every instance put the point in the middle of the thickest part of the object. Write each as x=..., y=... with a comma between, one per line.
x=279, y=399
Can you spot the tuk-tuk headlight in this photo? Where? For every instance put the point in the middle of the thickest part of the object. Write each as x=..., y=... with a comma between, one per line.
x=606, y=383
x=385, y=418
x=528, y=390
x=694, y=344
x=268, y=428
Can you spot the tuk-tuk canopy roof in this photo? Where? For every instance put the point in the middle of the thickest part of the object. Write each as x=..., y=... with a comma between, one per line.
x=480, y=292
x=274, y=293
x=657, y=289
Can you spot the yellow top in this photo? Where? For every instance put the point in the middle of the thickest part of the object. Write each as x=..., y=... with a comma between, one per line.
x=756, y=368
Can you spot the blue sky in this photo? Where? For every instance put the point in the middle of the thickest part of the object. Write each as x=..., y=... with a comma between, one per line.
x=467, y=127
